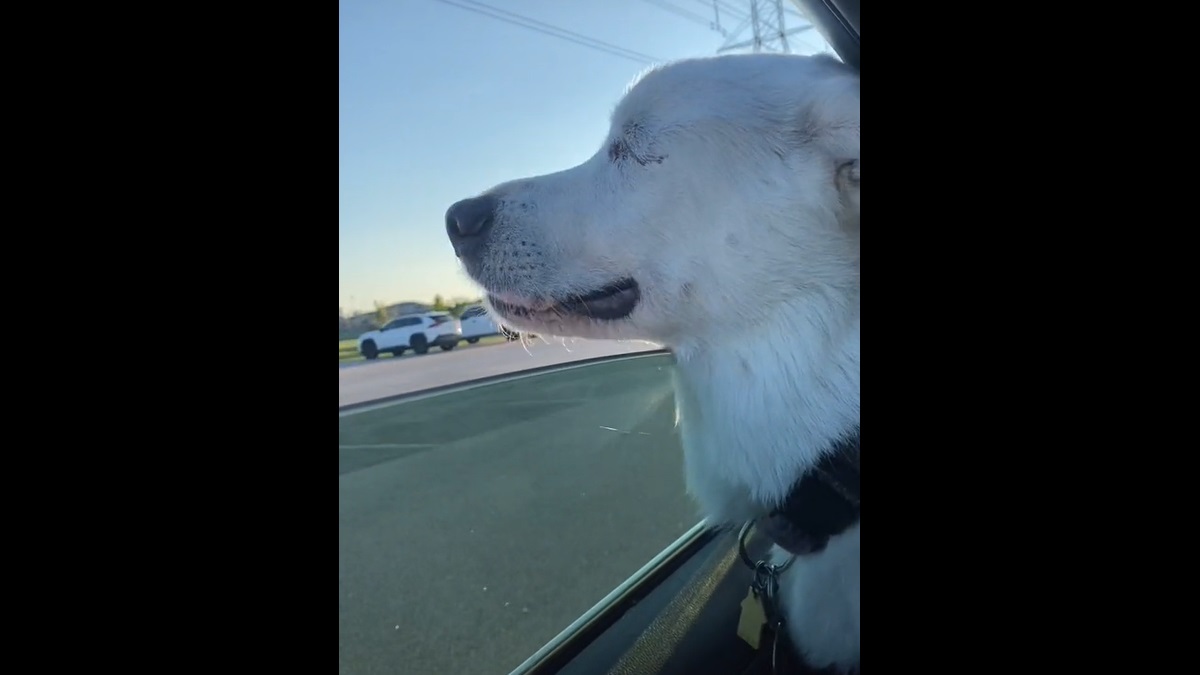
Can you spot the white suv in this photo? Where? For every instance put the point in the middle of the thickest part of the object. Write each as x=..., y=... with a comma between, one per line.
x=417, y=332
x=476, y=324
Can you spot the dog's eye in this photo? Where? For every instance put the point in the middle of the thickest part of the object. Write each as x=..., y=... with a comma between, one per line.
x=617, y=151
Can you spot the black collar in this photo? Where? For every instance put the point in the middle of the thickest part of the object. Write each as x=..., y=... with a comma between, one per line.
x=822, y=504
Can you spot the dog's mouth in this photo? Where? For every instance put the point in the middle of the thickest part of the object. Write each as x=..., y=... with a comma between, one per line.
x=610, y=303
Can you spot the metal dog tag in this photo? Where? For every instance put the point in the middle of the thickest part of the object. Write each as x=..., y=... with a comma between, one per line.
x=752, y=620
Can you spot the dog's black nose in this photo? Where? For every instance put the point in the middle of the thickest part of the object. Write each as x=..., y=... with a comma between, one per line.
x=469, y=220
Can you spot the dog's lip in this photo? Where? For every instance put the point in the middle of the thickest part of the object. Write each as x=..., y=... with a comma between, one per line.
x=513, y=300
x=609, y=303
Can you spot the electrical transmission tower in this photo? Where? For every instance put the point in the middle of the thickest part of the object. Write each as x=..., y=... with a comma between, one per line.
x=765, y=20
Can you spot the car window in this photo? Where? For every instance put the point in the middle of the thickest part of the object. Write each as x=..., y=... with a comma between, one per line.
x=393, y=324
x=505, y=510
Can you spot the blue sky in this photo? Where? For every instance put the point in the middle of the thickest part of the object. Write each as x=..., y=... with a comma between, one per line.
x=437, y=103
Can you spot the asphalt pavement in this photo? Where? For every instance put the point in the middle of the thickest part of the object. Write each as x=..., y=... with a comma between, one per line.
x=360, y=381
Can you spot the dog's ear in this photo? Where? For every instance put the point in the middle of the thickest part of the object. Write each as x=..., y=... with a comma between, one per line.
x=847, y=184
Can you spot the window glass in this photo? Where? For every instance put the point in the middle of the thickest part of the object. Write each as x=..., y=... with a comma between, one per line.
x=475, y=525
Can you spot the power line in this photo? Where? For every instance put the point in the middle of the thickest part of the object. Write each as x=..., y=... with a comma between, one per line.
x=724, y=8
x=728, y=8
x=737, y=12
x=580, y=36
x=685, y=13
x=551, y=30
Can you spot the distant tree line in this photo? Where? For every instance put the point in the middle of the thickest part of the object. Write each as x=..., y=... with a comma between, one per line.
x=455, y=307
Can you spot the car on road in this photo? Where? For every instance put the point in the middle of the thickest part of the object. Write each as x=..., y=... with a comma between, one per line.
x=477, y=324
x=417, y=332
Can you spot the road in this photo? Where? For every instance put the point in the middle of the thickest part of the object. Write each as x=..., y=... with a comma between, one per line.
x=367, y=380
x=474, y=526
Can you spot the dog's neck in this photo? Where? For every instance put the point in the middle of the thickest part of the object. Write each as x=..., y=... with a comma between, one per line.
x=761, y=407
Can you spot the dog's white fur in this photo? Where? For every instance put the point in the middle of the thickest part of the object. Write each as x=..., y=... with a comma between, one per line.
x=728, y=189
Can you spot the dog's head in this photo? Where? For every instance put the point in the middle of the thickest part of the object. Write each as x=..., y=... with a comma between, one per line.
x=725, y=187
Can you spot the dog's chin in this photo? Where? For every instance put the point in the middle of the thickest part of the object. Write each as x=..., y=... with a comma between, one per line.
x=609, y=304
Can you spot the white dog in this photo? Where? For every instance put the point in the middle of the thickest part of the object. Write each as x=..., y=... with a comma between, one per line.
x=720, y=219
